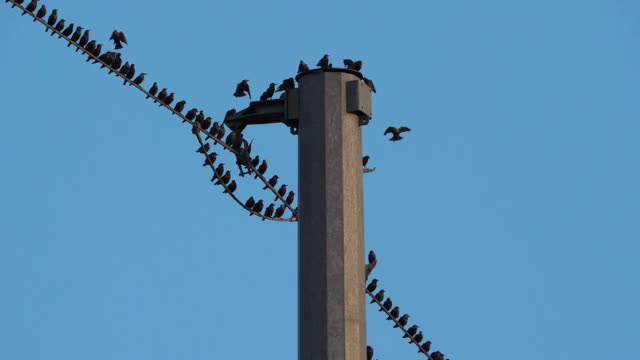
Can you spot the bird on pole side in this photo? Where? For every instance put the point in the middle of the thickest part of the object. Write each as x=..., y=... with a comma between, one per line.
x=243, y=89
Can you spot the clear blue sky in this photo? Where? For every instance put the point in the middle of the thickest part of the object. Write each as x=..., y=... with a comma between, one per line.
x=507, y=223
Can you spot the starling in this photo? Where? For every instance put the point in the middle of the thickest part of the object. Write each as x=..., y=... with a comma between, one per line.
x=387, y=304
x=90, y=47
x=242, y=88
x=210, y=158
x=290, y=198
x=324, y=62
x=96, y=52
x=411, y=331
x=221, y=132
x=168, y=100
x=153, y=90
x=118, y=38
x=250, y=203
x=231, y=188
x=67, y=32
x=372, y=285
x=348, y=63
x=124, y=69
x=200, y=117
x=426, y=346
x=437, y=355
x=224, y=178
x=139, y=79
x=268, y=94
x=231, y=139
x=117, y=62
x=379, y=296
x=395, y=312
x=204, y=149
x=162, y=95
x=262, y=169
x=229, y=113
x=41, y=13
x=273, y=181
x=282, y=191
x=106, y=58
x=357, y=66
x=31, y=7
x=191, y=114
x=302, y=67
x=206, y=123
x=59, y=27
x=279, y=211
x=365, y=160
x=286, y=84
x=220, y=169
x=396, y=132
x=129, y=75
x=369, y=84
x=417, y=338
x=255, y=161
x=76, y=36
x=372, y=257
x=402, y=321
x=257, y=207
x=51, y=21
x=268, y=212
x=369, y=352
x=16, y=1
x=85, y=39
x=180, y=106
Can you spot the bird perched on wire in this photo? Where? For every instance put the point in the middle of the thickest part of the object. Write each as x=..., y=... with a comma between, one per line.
x=15, y=2
x=302, y=67
x=394, y=313
x=95, y=52
x=396, y=132
x=379, y=297
x=118, y=38
x=257, y=207
x=402, y=321
x=210, y=158
x=282, y=191
x=76, y=36
x=168, y=100
x=90, y=47
x=41, y=13
x=153, y=90
x=84, y=40
x=31, y=7
x=53, y=18
x=290, y=198
x=369, y=353
x=324, y=62
x=204, y=149
x=387, y=305
x=418, y=337
x=273, y=181
x=130, y=74
x=117, y=62
x=139, y=79
x=224, y=178
x=268, y=212
x=268, y=94
x=180, y=106
x=162, y=95
x=437, y=355
x=242, y=89
x=372, y=285
x=220, y=170
x=279, y=211
x=411, y=331
x=67, y=32
x=286, y=84
x=426, y=346
x=250, y=203
x=59, y=26
x=231, y=188
x=261, y=169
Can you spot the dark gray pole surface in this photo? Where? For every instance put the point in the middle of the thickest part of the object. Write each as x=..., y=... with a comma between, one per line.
x=331, y=296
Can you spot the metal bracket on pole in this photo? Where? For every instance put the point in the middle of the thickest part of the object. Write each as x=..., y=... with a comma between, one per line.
x=284, y=110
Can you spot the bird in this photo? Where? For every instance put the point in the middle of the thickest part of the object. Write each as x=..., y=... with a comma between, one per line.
x=268, y=212
x=67, y=32
x=129, y=75
x=369, y=83
x=396, y=132
x=221, y=132
x=85, y=39
x=255, y=161
x=242, y=88
x=387, y=305
x=180, y=106
x=290, y=198
x=59, y=26
x=153, y=90
x=352, y=65
x=250, y=203
x=139, y=79
x=41, y=13
x=402, y=321
x=261, y=169
x=117, y=61
x=204, y=149
x=162, y=95
x=437, y=355
x=286, y=84
x=268, y=94
x=348, y=63
x=206, y=123
x=15, y=2
x=232, y=138
x=53, y=18
x=279, y=211
x=273, y=181
x=379, y=297
x=90, y=47
x=106, y=58
x=365, y=160
x=372, y=285
x=210, y=158
x=257, y=207
x=357, y=66
x=395, y=312
x=124, y=69
x=168, y=100
x=426, y=346
x=31, y=7
x=118, y=38
x=372, y=257
x=282, y=191
x=417, y=338
x=302, y=67
x=220, y=169
x=411, y=331
x=224, y=178
x=324, y=62
x=96, y=52
x=200, y=117
x=231, y=188
x=369, y=353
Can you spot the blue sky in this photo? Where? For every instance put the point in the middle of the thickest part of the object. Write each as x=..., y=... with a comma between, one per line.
x=506, y=223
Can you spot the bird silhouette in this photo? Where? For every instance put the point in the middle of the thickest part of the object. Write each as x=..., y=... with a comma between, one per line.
x=162, y=95
x=365, y=160
x=396, y=132
x=395, y=312
x=180, y=106
x=369, y=83
x=437, y=355
x=289, y=83
x=220, y=169
x=204, y=149
x=369, y=352
x=242, y=89
x=268, y=212
x=273, y=181
x=210, y=158
x=282, y=191
x=59, y=26
x=290, y=198
x=130, y=74
x=31, y=7
x=118, y=38
x=169, y=99
x=76, y=36
x=231, y=188
x=139, y=79
x=372, y=257
x=261, y=169
x=372, y=285
x=411, y=331
x=258, y=207
x=279, y=211
x=154, y=90
x=250, y=203
x=90, y=47
x=85, y=39
x=417, y=338
x=426, y=346
x=268, y=94
x=95, y=52
x=387, y=305
x=53, y=18
x=348, y=63
x=379, y=297
x=302, y=67
x=402, y=321
x=324, y=62
x=67, y=32
x=41, y=13
x=191, y=114
x=224, y=178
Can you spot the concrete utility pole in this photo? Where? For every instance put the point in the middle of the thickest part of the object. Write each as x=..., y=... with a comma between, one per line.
x=331, y=283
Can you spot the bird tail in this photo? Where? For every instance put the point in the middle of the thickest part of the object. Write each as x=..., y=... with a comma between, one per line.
x=69, y=44
x=118, y=46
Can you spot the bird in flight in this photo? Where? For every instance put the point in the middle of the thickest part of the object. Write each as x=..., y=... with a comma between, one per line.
x=396, y=132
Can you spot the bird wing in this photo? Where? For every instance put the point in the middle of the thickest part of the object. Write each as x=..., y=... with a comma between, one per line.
x=390, y=130
x=404, y=129
x=114, y=35
x=123, y=38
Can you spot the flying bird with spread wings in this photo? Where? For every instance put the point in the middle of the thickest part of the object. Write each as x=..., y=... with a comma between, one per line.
x=396, y=132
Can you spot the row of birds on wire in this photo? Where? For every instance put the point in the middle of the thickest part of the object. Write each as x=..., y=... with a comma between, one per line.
x=235, y=141
x=386, y=304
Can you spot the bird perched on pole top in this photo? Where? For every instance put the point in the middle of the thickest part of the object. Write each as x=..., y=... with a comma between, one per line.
x=118, y=38
x=324, y=62
x=352, y=65
x=242, y=89
x=286, y=84
x=302, y=67
x=396, y=132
